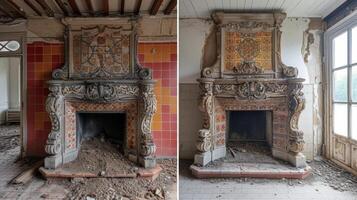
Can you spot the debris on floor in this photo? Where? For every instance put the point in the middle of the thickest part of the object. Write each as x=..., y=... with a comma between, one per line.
x=26, y=175
x=121, y=188
x=102, y=158
x=9, y=137
x=334, y=176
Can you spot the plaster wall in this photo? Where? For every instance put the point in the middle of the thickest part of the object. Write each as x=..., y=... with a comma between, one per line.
x=4, y=87
x=9, y=85
x=193, y=39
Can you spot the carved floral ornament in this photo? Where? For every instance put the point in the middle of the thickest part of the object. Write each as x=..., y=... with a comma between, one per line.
x=251, y=90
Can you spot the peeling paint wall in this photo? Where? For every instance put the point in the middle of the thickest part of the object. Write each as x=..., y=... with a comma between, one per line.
x=297, y=50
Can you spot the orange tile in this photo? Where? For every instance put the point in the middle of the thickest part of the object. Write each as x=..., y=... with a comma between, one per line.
x=156, y=126
x=165, y=91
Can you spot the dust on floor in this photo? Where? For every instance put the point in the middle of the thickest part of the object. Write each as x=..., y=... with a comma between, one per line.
x=101, y=157
x=126, y=188
x=9, y=137
x=325, y=175
x=164, y=187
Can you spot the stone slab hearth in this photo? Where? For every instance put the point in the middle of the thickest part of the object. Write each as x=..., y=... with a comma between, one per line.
x=250, y=170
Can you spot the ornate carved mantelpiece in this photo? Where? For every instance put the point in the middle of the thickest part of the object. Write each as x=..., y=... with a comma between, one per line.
x=249, y=75
x=101, y=74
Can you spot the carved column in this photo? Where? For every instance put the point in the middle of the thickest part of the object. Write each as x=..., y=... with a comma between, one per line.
x=204, y=142
x=295, y=138
x=54, y=107
x=148, y=108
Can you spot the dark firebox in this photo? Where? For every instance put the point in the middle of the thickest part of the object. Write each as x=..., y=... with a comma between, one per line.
x=108, y=126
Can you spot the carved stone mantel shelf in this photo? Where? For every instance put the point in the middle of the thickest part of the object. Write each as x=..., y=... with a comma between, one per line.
x=101, y=71
x=249, y=75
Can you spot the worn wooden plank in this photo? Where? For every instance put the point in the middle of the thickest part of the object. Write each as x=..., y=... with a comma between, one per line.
x=155, y=7
x=170, y=7
x=46, y=8
x=137, y=7
x=62, y=7
x=33, y=7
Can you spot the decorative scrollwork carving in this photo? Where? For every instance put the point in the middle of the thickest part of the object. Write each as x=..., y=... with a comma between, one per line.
x=289, y=71
x=109, y=92
x=296, y=105
x=148, y=147
x=77, y=91
x=251, y=90
x=247, y=68
x=206, y=106
x=145, y=74
x=204, y=140
x=249, y=25
x=54, y=107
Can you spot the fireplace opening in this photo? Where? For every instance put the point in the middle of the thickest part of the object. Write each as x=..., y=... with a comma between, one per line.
x=106, y=126
x=249, y=136
x=249, y=126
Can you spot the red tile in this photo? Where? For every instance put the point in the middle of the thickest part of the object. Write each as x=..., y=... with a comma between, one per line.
x=165, y=108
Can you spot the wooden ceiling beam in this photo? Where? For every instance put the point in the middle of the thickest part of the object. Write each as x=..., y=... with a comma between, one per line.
x=137, y=7
x=122, y=6
x=90, y=7
x=62, y=7
x=6, y=12
x=155, y=7
x=106, y=7
x=33, y=7
x=74, y=7
x=17, y=8
x=46, y=8
x=170, y=7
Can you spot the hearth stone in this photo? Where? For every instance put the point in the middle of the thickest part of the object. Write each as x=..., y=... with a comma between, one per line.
x=248, y=75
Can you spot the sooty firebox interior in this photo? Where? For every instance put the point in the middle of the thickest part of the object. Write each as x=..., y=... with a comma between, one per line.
x=249, y=126
x=110, y=125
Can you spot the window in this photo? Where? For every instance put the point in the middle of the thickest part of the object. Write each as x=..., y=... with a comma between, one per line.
x=6, y=46
x=344, y=79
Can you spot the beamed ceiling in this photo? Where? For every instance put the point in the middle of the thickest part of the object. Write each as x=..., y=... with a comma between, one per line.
x=17, y=9
x=293, y=8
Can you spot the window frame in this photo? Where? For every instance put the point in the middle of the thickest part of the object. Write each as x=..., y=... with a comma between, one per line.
x=348, y=67
x=339, y=28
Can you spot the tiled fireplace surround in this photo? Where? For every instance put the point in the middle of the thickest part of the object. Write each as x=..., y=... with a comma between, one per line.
x=101, y=74
x=249, y=76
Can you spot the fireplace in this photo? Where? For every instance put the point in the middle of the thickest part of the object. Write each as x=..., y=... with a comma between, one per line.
x=248, y=94
x=101, y=91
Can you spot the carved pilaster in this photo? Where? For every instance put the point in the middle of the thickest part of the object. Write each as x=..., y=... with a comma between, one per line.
x=54, y=107
x=147, y=145
x=204, y=142
x=296, y=105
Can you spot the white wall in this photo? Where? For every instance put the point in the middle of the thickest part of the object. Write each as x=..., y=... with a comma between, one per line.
x=4, y=87
x=9, y=85
x=193, y=33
